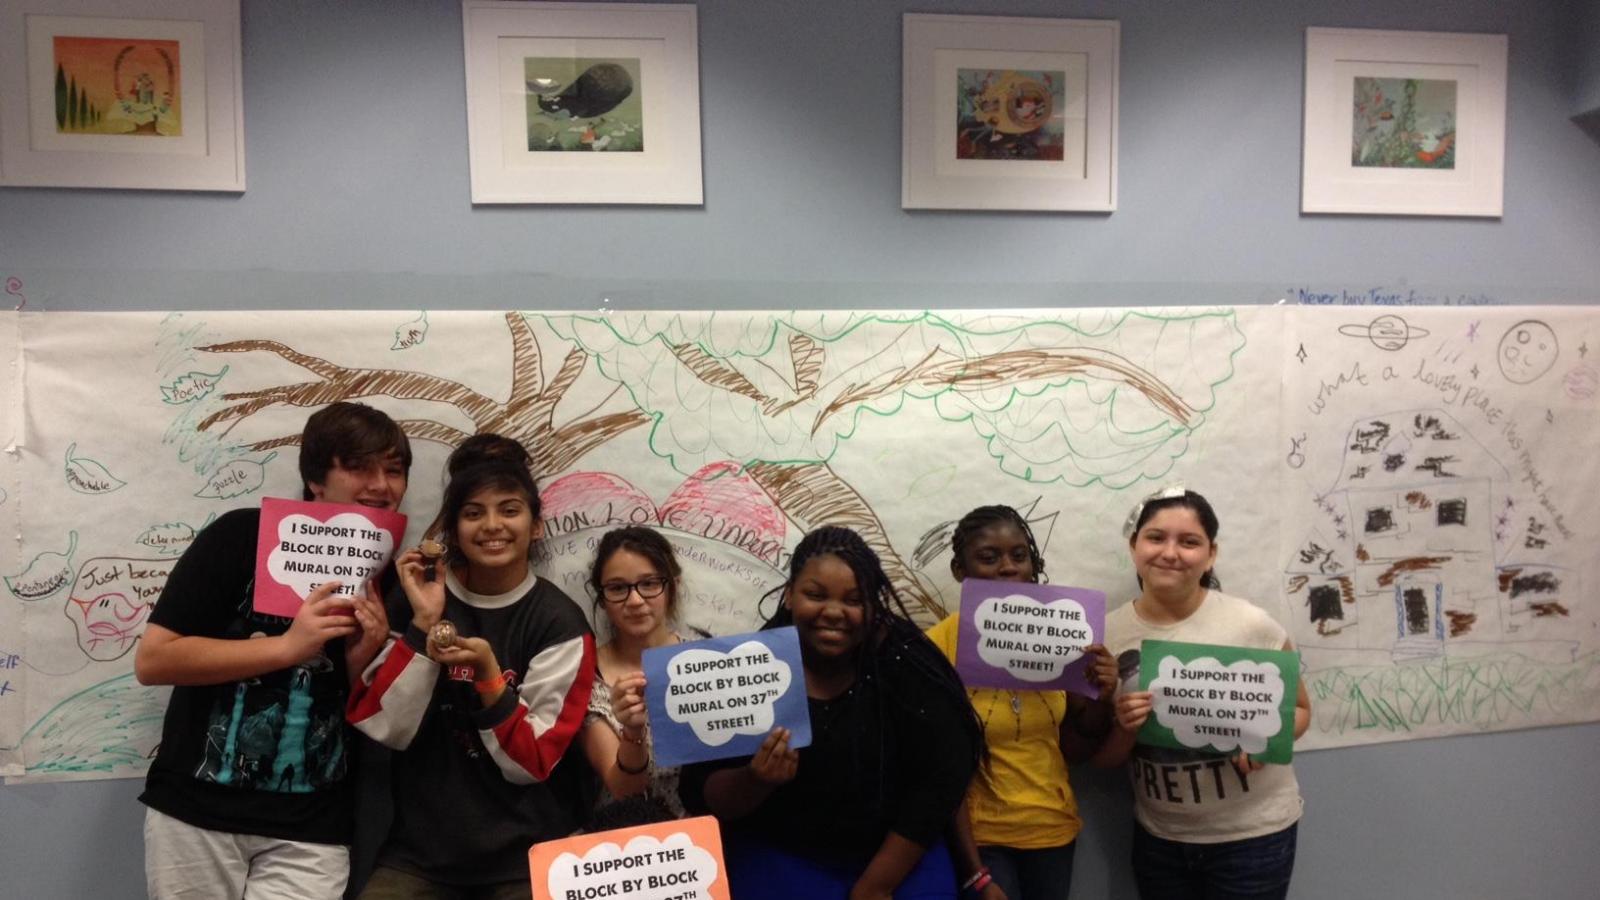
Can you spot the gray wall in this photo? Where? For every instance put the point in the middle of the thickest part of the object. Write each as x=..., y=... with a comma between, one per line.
x=1587, y=41
x=356, y=154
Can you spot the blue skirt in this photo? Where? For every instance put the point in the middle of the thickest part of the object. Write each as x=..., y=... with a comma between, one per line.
x=758, y=871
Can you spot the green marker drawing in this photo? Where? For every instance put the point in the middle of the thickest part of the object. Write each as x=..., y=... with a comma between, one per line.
x=86, y=476
x=170, y=538
x=46, y=575
x=110, y=728
x=411, y=334
x=239, y=477
x=191, y=387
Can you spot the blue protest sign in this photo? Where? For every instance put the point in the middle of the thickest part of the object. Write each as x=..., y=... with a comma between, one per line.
x=718, y=698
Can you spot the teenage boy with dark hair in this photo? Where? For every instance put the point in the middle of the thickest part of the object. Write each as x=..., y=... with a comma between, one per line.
x=247, y=795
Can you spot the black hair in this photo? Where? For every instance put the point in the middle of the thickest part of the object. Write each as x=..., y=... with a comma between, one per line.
x=984, y=517
x=890, y=635
x=349, y=435
x=1202, y=511
x=486, y=447
x=483, y=462
x=648, y=543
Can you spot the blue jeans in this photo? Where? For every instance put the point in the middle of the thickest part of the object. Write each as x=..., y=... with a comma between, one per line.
x=1030, y=874
x=1255, y=868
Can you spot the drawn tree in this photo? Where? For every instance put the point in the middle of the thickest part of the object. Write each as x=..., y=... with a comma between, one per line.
x=1109, y=400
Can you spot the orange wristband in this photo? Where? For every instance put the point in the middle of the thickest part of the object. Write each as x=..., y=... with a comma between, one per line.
x=490, y=685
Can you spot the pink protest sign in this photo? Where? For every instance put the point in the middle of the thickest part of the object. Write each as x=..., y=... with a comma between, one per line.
x=1028, y=636
x=302, y=544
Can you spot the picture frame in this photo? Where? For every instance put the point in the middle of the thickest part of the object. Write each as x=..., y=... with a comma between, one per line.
x=1009, y=113
x=142, y=94
x=1404, y=123
x=583, y=103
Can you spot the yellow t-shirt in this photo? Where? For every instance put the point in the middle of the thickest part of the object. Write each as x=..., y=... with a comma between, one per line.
x=1022, y=799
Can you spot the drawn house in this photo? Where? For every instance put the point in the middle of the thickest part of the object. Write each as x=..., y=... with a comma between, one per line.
x=1414, y=566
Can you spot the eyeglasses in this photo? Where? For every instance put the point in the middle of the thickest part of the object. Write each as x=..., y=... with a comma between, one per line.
x=648, y=588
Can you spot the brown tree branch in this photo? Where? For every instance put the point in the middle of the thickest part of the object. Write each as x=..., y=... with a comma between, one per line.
x=567, y=445
x=1016, y=367
x=716, y=373
x=814, y=495
x=527, y=371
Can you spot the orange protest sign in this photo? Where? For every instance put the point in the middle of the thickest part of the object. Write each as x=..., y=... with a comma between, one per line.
x=679, y=860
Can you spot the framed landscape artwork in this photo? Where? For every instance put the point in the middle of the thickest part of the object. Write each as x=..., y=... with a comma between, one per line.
x=121, y=94
x=1404, y=123
x=583, y=102
x=1009, y=114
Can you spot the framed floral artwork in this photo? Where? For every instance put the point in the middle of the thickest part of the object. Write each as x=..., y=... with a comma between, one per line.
x=1404, y=123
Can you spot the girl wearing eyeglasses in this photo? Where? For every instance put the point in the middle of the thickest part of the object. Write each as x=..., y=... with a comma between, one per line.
x=635, y=581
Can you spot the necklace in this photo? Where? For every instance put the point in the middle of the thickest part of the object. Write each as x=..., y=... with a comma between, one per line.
x=1016, y=709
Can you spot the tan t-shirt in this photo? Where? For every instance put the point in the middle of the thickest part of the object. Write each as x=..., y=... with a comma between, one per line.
x=1198, y=796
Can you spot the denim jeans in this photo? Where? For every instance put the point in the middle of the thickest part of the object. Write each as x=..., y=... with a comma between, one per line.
x=1043, y=874
x=1255, y=868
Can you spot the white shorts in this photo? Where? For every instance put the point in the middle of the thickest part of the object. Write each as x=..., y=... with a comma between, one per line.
x=182, y=861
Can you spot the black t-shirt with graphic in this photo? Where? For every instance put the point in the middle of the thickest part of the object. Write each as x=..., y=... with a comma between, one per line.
x=262, y=756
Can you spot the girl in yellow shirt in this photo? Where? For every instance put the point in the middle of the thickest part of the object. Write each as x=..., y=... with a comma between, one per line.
x=1016, y=832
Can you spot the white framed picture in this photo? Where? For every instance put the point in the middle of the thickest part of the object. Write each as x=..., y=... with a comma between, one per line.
x=583, y=102
x=1009, y=113
x=121, y=94
x=1404, y=123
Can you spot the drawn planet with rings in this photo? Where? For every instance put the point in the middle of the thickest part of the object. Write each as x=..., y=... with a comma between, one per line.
x=1385, y=332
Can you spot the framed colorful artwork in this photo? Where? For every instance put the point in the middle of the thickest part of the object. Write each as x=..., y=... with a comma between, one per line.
x=583, y=102
x=121, y=94
x=1009, y=114
x=1404, y=123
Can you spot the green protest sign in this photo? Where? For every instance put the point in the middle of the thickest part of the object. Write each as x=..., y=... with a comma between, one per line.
x=1220, y=698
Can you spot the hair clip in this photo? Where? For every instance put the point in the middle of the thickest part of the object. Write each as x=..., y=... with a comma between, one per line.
x=1170, y=492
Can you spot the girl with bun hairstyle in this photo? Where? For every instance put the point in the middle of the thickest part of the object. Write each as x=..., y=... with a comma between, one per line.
x=481, y=690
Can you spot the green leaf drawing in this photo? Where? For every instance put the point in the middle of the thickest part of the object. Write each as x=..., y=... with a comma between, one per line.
x=242, y=476
x=46, y=575
x=86, y=476
x=171, y=538
x=411, y=334
x=191, y=387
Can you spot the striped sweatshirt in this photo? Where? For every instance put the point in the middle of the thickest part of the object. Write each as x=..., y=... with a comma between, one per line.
x=474, y=786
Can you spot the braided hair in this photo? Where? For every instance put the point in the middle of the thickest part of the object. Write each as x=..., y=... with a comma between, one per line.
x=984, y=517
x=891, y=636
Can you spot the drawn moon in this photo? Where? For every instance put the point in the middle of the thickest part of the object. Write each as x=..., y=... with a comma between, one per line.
x=1527, y=350
x=1388, y=332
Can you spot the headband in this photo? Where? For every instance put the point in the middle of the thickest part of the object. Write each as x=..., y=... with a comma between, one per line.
x=1170, y=492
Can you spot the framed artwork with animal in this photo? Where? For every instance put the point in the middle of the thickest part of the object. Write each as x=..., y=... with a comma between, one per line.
x=1404, y=123
x=1009, y=113
x=583, y=103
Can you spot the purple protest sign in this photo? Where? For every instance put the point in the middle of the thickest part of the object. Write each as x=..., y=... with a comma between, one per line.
x=1028, y=636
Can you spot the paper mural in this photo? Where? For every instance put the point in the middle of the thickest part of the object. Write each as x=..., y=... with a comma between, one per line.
x=1406, y=495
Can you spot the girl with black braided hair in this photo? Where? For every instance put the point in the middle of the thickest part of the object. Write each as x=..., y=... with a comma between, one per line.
x=1016, y=832
x=860, y=811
